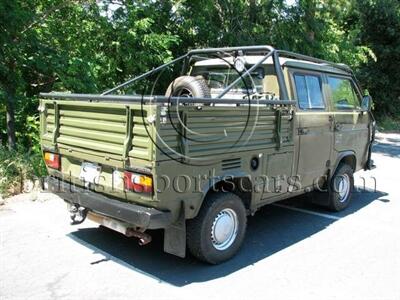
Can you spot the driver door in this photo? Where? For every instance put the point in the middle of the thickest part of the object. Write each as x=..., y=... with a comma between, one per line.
x=351, y=124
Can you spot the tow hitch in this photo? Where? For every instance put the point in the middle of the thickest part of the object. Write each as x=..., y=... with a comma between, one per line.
x=77, y=214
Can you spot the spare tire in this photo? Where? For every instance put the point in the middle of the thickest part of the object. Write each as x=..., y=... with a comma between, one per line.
x=188, y=86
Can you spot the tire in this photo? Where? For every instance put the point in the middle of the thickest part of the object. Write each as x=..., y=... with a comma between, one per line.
x=339, y=196
x=206, y=238
x=188, y=86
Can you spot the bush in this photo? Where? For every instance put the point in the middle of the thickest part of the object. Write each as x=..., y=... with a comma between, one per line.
x=18, y=167
x=388, y=124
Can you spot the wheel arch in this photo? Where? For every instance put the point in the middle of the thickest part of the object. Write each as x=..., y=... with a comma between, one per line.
x=348, y=157
x=242, y=187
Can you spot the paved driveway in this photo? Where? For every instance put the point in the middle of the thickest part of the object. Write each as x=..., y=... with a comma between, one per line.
x=293, y=250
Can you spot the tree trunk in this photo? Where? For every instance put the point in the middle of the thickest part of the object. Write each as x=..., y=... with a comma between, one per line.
x=10, y=111
x=253, y=11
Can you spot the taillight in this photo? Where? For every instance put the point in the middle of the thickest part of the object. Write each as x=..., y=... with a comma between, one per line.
x=52, y=160
x=138, y=183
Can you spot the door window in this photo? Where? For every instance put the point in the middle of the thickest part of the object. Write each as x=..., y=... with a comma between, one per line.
x=309, y=91
x=343, y=94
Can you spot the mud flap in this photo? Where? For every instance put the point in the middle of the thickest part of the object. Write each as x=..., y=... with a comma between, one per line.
x=175, y=236
x=321, y=197
x=369, y=165
x=318, y=198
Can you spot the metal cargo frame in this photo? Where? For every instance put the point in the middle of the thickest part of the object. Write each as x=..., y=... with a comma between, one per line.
x=265, y=50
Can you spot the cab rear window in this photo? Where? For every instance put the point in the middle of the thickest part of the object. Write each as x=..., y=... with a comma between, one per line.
x=220, y=78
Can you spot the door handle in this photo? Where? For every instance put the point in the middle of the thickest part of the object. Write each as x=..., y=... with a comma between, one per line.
x=331, y=123
x=303, y=131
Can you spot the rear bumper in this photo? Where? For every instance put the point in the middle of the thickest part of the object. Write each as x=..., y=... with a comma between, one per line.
x=140, y=216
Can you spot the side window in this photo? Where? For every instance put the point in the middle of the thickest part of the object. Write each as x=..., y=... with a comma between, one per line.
x=309, y=91
x=343, y=93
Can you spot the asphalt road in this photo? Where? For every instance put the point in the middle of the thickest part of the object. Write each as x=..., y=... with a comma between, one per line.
x=293, y=250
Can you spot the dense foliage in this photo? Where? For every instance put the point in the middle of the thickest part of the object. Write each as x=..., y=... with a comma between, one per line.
x=88, y=45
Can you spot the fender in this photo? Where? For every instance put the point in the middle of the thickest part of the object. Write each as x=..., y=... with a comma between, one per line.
x=218, y=178
x=213, y=181
x=340, y=156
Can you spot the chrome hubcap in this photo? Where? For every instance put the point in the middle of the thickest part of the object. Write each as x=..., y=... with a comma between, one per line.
x=343, y=187
x=224, y=229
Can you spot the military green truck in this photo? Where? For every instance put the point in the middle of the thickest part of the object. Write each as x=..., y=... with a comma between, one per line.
x=240, y=128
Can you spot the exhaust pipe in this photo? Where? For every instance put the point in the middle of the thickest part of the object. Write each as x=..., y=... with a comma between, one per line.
x=144, y=238
x=120, y=227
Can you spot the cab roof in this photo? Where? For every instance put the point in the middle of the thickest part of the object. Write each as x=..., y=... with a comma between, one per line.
x=290, y=62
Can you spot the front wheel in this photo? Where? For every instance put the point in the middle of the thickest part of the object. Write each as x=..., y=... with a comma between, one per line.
x=341, y=188
x=217, y=232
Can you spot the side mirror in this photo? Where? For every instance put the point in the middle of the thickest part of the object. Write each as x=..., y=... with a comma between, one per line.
x=366, y=103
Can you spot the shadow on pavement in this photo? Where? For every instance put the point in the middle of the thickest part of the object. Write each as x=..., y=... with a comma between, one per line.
x=391, y=150
x=387, y=145
x=272, y=229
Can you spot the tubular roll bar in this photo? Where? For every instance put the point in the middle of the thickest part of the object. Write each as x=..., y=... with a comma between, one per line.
x=159, y=99
x=268, y=51
x=130, y=81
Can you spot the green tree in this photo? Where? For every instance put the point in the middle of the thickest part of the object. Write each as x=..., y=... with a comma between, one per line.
x=87, y=46
x=78, y=46
x=27, y=54
x=380, y=30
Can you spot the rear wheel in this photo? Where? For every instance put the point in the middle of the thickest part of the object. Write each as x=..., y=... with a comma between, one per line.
x=217, y=232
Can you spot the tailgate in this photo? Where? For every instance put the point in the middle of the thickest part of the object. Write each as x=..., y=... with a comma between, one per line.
x=113, y=132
